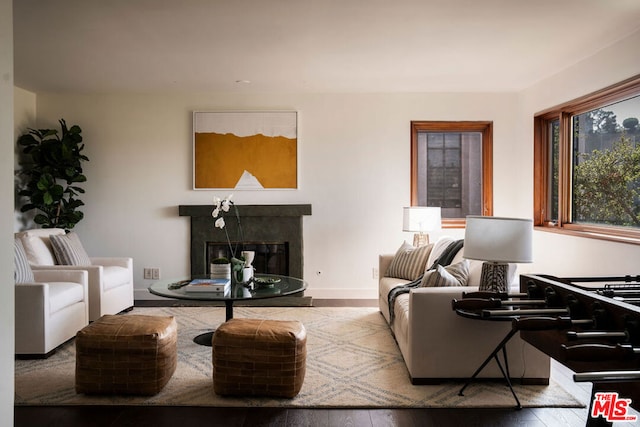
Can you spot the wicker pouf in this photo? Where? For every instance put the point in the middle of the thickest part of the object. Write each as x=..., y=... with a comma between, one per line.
x=126, y=354
x=259, y=357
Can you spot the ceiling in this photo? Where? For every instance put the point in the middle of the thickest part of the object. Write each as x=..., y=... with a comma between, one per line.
x=308, y=45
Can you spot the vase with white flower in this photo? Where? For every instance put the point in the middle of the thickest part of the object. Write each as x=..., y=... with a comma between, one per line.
x=238, y=263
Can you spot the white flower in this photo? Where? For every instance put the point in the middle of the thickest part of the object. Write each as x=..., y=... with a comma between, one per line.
x=222, y=206
x=226, y=203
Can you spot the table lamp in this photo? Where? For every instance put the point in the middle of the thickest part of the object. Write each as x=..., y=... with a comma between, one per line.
x=498, y=242
x=421, y=219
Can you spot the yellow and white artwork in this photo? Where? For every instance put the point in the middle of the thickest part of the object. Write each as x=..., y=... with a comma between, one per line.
x=245, y=150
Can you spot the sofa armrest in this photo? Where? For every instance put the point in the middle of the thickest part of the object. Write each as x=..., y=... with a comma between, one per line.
x=76, y=276
x=125, y=262
x=94, y=273
x=384, y=261
x=31, y=297
x=31, y=307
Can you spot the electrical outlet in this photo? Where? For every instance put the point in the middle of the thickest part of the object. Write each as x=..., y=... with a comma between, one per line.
x=375, y=273
x=148, y=274
x=155, y=273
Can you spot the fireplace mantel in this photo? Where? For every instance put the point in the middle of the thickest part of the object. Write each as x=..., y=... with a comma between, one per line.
x=259, y=223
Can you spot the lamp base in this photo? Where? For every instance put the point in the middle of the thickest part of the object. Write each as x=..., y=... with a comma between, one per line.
x=420, y=239
x=494, y=277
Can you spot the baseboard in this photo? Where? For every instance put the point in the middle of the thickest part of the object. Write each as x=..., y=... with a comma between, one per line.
x=317, y=302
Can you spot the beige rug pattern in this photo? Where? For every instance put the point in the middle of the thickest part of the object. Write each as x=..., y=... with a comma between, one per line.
x=352, y=362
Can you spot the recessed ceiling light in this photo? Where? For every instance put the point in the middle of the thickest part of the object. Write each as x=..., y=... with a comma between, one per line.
x=246, y=82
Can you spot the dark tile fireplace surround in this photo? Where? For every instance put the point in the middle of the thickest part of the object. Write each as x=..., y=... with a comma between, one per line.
x=280, y=224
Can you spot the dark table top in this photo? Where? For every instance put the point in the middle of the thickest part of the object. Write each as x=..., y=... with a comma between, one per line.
x=264, y=286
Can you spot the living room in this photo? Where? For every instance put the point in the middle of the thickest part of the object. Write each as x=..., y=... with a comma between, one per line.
x=353, y=155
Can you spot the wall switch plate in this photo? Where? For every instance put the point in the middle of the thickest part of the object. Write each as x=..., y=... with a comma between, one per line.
x=155, y=273
x=147, y=274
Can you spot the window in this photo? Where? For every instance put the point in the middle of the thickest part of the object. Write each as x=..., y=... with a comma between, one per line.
x=587, y=165
x=451, y=167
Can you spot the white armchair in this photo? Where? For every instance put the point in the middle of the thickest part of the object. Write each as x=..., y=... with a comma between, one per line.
x=110, y=278
x=50, y=307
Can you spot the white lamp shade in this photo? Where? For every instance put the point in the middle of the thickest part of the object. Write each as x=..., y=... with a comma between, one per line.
x=496, y=239
x=420, y=218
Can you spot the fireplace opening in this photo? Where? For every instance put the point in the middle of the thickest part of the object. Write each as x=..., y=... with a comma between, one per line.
x=270, y=257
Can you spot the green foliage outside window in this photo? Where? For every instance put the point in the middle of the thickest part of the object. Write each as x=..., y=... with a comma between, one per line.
x=606, y=180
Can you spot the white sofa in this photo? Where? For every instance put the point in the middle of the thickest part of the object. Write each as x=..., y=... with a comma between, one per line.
x=50, y=310
x=110, y=278
x=439, y=345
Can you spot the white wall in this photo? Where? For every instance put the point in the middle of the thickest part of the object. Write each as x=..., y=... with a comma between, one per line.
x=354, y=154
x=6, y=214
x=354, y=157
x=567, y=255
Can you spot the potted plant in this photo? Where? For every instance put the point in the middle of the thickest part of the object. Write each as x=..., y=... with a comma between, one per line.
x=238, y=262
x=53, y=171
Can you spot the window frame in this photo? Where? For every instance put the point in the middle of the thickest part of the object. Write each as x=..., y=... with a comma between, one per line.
x=541, y=169
x=486, y=129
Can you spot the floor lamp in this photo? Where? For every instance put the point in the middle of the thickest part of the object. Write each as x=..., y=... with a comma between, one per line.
x=498, y=242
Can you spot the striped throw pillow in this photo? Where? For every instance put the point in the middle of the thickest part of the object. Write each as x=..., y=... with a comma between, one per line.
x=409, y=262
x=451, y=275
x=23, y=272
x=69, y=250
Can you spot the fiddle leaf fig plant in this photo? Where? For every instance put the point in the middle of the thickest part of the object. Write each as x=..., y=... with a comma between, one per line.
x=53, y=170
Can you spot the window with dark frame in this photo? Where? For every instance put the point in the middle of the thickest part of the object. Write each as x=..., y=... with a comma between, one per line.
x=587, y=165
x=451, y=168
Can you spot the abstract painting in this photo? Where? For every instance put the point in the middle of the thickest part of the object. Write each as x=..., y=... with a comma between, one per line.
x=243, y=150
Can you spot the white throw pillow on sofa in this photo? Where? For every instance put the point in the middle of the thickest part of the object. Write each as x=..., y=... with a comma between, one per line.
x=37, y=245
x=438, y=248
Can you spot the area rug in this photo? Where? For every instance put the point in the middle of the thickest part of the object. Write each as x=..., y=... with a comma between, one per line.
x=352, y=362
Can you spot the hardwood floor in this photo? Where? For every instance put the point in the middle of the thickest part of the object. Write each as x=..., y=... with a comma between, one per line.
x=139, y=416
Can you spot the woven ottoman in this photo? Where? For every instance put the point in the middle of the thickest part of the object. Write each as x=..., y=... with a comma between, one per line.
x=259, y=357
x=126, y=354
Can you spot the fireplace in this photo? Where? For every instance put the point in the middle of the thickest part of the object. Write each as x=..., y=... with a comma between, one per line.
x=273, y=231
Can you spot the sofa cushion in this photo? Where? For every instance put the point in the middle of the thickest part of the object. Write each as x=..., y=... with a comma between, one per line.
x=385, y=285
x=451, y=275
x=22, y=272
x=64, y=294
x=69, y=250
x=400, y=325
x=409, y=262
x=115, y=276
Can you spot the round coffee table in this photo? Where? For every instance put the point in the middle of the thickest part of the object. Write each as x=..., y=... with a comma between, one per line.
x=263, y=286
